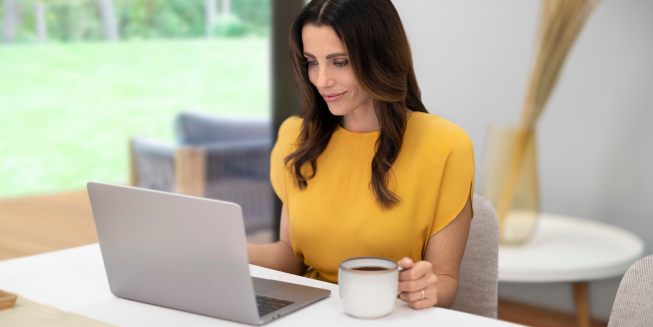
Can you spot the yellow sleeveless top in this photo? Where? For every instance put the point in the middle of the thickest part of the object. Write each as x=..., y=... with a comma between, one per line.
x=337, y=217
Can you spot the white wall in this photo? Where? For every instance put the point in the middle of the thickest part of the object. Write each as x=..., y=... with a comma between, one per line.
x=595, y=138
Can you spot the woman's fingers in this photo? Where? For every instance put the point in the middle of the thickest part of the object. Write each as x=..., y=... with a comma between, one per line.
x=419, y=277
x=416, y=285
x=414, y=296
x=423, y=304
x=415, y=300
x=413, y=285
x=418, y=270
x=405, y=263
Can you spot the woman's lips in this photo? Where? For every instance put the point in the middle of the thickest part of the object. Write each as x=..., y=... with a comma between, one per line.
x=333, y=96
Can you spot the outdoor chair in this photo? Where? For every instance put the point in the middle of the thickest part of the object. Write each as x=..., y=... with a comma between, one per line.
x=479, y=270
x=633, y=306
x=218, y=158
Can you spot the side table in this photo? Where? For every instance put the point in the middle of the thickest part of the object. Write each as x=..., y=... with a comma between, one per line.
x=569, y=249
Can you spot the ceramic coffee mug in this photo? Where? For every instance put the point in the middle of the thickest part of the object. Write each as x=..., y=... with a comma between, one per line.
x=368, y=286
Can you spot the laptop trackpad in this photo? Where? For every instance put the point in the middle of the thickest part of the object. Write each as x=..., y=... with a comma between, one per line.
x=263, y=286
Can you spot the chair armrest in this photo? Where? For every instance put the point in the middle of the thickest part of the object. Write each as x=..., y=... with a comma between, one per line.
x=146, y=146
x=153, y=162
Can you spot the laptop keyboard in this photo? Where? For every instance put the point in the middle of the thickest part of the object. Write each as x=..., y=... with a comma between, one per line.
x=270, y=304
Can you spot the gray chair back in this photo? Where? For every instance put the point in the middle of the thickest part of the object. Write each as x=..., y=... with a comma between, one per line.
x=200, y=129
x=479, y=270
x=633, y=306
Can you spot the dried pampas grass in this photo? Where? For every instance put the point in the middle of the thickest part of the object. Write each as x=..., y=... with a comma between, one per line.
x=560, y=23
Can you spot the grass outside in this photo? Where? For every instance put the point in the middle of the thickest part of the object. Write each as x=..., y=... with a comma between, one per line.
x=67, y=110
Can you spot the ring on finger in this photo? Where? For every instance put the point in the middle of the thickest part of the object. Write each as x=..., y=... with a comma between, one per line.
x=422, y=294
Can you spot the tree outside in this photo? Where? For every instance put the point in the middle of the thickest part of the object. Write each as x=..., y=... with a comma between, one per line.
x=82, y=20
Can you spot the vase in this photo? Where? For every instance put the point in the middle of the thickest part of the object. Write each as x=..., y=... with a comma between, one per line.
x=517, y=223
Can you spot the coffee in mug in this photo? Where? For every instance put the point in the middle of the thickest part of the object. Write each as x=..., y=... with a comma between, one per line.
x=368, y=286
x=369, y=268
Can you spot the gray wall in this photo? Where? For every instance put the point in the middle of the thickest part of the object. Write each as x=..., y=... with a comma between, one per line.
x=595, y=137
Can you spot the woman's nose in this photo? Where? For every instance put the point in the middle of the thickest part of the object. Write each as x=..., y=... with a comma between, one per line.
x=324, y=78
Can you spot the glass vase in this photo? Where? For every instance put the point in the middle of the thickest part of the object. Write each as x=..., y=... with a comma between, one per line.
x=518, y=222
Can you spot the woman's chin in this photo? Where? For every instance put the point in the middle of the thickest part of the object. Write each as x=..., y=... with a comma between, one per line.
x=337, y=111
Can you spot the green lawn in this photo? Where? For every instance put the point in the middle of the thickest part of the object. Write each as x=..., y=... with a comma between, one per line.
x=67, y=110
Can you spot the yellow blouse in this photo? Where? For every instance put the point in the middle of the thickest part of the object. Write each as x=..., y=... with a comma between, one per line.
x=337, y=217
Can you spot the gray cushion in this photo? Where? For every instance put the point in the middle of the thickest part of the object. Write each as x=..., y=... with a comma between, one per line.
x=633, y=306
x=479, y=270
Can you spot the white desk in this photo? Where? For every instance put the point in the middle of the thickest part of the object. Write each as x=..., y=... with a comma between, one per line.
x=74, y=280
x=567, y=249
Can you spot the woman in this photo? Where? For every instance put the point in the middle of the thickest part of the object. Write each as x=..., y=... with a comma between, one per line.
x=365, y=170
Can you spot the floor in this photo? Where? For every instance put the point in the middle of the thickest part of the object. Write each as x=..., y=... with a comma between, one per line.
x=38, y=224
x=537, y=317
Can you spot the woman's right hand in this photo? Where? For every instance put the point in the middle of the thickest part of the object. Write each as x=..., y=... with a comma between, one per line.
x=279, y=255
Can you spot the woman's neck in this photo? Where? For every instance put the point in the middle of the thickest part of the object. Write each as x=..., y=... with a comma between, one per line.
x=362, y=119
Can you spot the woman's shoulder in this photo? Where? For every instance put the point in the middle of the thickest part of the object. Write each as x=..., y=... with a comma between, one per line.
x=434, y=130
x=290, y=129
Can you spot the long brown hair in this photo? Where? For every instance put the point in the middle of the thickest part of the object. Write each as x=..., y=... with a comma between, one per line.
x=381, y=60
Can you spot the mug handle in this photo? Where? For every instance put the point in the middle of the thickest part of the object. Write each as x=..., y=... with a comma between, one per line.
x=400, y=269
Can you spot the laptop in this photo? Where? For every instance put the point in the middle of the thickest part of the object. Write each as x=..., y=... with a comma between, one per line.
x=186, y=253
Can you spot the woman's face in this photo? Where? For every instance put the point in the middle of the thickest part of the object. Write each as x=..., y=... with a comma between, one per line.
x=330, y=71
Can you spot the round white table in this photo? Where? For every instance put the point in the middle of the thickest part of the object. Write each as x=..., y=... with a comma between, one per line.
x=568, y=249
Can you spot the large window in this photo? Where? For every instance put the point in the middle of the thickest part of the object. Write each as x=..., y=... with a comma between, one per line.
x=78, y=78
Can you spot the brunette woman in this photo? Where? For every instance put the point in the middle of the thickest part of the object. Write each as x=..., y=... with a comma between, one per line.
x=365, y=170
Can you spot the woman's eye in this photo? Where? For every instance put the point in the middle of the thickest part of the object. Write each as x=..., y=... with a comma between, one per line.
x=341, y=63
x=312, y=63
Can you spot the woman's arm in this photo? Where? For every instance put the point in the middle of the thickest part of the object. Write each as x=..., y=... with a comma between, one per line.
x=279, y=255
x=438, y=273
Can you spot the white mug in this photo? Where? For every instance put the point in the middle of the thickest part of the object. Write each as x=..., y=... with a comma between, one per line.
x=368, y=293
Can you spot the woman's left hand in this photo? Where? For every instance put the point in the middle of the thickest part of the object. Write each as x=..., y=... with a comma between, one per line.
x=418, y=284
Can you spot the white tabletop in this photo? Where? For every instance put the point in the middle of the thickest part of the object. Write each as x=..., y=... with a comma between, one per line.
x=74, y=280
x=567, y=249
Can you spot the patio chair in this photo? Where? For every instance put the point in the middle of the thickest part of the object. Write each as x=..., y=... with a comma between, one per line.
x=633, y=306
x=479, y=270
x=218, y=158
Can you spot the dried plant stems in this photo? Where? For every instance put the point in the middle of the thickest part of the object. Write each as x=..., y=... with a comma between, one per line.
x=560, y=23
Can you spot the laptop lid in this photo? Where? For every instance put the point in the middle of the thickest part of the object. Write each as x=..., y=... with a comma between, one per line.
x=175, y=251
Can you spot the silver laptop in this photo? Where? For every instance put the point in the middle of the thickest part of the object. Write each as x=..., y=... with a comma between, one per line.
x=186, y=253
